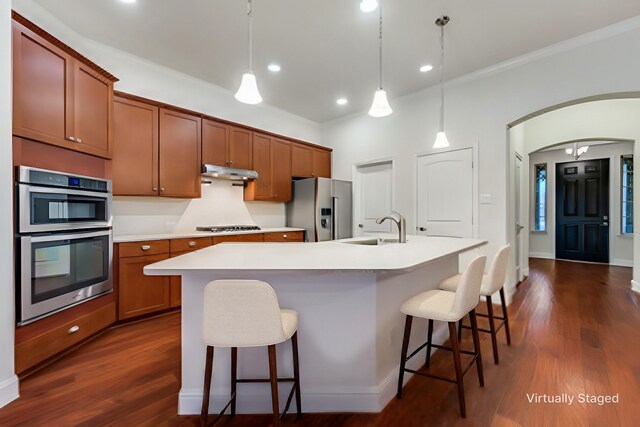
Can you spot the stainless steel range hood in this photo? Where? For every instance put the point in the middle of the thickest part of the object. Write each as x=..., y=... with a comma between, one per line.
x=221, y=172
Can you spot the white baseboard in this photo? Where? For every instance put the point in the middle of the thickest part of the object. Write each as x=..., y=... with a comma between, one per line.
x=542, y=255
x=320, y=399
x=621, y=262
x=635, y=286
x=525, y=272
x=9, y=390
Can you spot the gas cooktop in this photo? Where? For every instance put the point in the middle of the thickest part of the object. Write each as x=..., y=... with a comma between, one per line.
x=225, y=228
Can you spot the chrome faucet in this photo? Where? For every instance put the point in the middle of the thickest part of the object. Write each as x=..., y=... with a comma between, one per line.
x=400, y=222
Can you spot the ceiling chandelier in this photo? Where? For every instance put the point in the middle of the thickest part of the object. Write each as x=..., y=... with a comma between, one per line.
x=576, y=151
x=248, y=91
x=441, y=138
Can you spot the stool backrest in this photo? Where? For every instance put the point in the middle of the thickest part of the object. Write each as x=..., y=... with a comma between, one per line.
x=497, y=272
x=241, y=313
x=468, y=291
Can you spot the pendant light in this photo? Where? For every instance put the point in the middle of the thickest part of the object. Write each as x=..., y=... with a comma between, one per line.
x=368, y=5
x=248, y=91
x=441, y=138
x=576, y=151
x=380, y=106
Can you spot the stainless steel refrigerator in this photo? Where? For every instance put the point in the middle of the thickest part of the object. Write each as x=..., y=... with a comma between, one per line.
x=323, y=207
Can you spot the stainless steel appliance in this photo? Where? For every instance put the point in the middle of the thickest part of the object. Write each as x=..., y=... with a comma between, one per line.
x=323, y=207
x=234, y=174
x=227, y=228
x=54, y=201
x=64, y=242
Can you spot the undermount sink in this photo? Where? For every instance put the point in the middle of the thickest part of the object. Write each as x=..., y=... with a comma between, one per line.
x=373, y=242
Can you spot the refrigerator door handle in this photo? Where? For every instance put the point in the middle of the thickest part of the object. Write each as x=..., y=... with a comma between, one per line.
x=334, y=217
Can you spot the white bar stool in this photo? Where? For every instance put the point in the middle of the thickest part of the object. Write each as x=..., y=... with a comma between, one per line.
x=245, y=313
x=492, y=282
x=447, y=307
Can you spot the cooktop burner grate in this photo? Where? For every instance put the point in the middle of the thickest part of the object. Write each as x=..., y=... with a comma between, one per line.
x=225, y=228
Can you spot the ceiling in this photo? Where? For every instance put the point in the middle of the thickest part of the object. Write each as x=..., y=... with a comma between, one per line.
x=328, y=48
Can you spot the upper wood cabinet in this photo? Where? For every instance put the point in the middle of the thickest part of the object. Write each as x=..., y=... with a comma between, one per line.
x=59, y=99
x=310, y=162
x=226, y=145
x=180, y=145
x=272, y=161
x=135, y=148
x=321, y=163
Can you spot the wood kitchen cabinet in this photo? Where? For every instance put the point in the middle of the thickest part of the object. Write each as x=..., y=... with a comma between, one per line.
x=272, y=161
x=181, y=247
x=310, y=162
x=135, y=148
x=226, y=145
x=59, y=97
x=139, y=294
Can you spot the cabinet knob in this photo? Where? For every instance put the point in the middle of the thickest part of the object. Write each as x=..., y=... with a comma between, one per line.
x=73, y=329
x=145, y=247
x=192, y=244
x=70, y=138
x=155, y=188
x=284, y=235
x=78, y=140
x=161, y=189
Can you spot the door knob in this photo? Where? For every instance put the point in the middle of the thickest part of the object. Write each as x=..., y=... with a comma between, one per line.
x=422, y=228
x=361, y=225
x=605, y=224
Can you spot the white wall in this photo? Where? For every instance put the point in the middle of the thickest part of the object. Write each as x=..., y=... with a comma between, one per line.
x=479, y=108
x=8, y=380
x=221, y=203
x=542, y=244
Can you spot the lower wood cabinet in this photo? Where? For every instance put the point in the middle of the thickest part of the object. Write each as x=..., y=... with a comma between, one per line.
x=50, y=341
x=140, y=294
x=287, y=236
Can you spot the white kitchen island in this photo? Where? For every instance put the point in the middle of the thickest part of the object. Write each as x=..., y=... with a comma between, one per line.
x=348, y=298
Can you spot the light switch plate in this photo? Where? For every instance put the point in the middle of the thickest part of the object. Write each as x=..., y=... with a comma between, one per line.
x=485, y=199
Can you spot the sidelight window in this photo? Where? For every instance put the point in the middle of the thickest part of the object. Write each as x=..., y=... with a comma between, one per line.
x=540, y=203
x=626, y=199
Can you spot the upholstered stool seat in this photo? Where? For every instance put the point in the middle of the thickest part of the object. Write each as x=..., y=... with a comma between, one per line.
x=246, y=313
x=492, y=282
x=450, y=307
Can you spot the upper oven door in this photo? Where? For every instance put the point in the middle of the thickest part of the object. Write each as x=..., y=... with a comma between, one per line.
x=54, y=209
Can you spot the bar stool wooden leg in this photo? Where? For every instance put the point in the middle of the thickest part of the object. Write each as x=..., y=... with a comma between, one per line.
x=492, y=328
x=273, y=379
x=234, y=378
x=429, y=337
x=456, y=361
x=296, y=373
x=460, y=329
x=505, y=315
x=476, y=346
x=208, y=373
x=403, y=357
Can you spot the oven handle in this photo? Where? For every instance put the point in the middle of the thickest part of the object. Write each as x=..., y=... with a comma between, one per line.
x=67, y=236
x=48, y=190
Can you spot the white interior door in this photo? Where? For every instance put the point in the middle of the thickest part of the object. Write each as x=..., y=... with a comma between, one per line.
x=518, y=215
x=372, y=197
x=445, y=194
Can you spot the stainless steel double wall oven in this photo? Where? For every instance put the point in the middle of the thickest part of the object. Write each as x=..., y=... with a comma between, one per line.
x=64, y=241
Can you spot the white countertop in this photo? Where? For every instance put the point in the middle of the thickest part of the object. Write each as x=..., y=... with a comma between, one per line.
x=186, y=235
x=332, y=256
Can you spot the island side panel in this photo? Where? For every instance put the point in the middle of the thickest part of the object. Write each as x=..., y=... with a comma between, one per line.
x=337, y=344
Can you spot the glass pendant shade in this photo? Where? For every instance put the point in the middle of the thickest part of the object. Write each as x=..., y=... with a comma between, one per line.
x=368, y=5
x=248, y=92
x=441, y=140
x=380, y=106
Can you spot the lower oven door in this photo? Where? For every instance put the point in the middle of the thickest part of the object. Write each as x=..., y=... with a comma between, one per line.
x=61, y=270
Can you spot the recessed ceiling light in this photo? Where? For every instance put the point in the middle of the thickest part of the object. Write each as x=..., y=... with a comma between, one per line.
x=128, y=1
x=273, y=67
x=426, y=68
x=368, y=5
x=342, y=101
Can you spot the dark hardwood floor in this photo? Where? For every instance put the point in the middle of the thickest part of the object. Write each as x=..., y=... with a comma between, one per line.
x=575, y=329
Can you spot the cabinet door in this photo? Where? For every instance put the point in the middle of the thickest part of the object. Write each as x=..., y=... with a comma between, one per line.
x=92, y=111
x=246, y=238
x=215, y=143
x=135, y=148
x=262, y=165
x=321, y=163
x=179, y=154
x=140, y=294
x=281, y=170
x=301, y=161
x=41, y=89
x=240, y=148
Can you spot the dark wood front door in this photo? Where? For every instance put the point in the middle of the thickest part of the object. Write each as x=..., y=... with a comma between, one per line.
x=582, y=210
